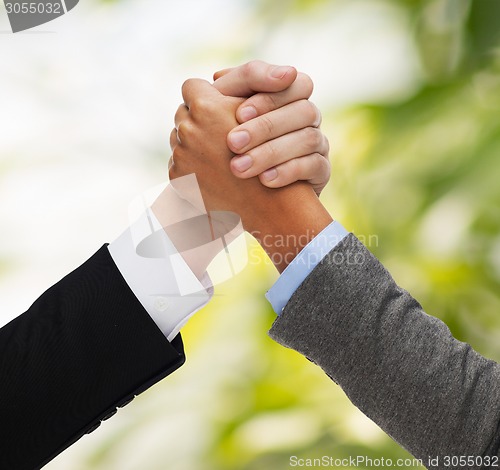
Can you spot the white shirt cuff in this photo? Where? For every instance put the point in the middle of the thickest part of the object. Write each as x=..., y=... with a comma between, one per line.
x=164, y=285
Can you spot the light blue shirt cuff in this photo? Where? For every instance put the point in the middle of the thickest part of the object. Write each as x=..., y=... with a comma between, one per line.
x=303, y=264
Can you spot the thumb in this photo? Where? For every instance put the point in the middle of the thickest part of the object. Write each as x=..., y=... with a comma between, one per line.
x=196, y=88
x=254, y=77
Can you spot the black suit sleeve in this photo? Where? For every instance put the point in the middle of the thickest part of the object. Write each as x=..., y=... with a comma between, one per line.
x=85, y=347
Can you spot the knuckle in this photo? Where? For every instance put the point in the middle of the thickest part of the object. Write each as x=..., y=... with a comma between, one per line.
x=250, y=67
x=319, y=117
x=326, y=144
x=266, y=125
x=314, y=138
x=306, y=84
x=269, y=101
x=186, y=85
x=173, y=139
x=182, y=131
x=311, y=112
x=173, y=170
x=179, y=111
x=294, y=169
x=256, y=64
x=270, y=155
x=176, y=157
x=264, y=102
x=178, y=165
x=185, y=131
x=323, y=166
x=201, y=105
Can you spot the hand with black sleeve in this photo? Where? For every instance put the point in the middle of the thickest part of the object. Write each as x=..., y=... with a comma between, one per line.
x=110, y=329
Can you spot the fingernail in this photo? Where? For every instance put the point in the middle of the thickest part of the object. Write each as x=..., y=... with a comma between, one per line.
x=279, y=72
x=270, y=175
x=242, y=163
x=239, y=139
x=247, y=113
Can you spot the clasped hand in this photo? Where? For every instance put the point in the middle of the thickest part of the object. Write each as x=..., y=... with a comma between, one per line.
x=254, y=123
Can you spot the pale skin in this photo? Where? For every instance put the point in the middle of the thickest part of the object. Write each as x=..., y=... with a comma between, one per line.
x=279, y=126
x=202, y=144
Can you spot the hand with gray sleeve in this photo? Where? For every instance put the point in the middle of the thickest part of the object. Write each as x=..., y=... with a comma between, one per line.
x=431, y=393
x=338, y=306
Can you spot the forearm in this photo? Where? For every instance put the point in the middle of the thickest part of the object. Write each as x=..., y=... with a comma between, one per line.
x=435, y=395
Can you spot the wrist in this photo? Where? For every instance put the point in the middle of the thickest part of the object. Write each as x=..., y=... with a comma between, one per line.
x=291, y=219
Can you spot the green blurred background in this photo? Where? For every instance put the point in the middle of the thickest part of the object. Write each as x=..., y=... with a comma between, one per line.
x=410, y=94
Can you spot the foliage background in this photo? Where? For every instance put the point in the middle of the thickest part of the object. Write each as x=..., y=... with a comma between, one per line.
x=410, y=91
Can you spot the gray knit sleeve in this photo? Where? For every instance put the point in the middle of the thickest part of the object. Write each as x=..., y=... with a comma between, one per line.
x=433, y=394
